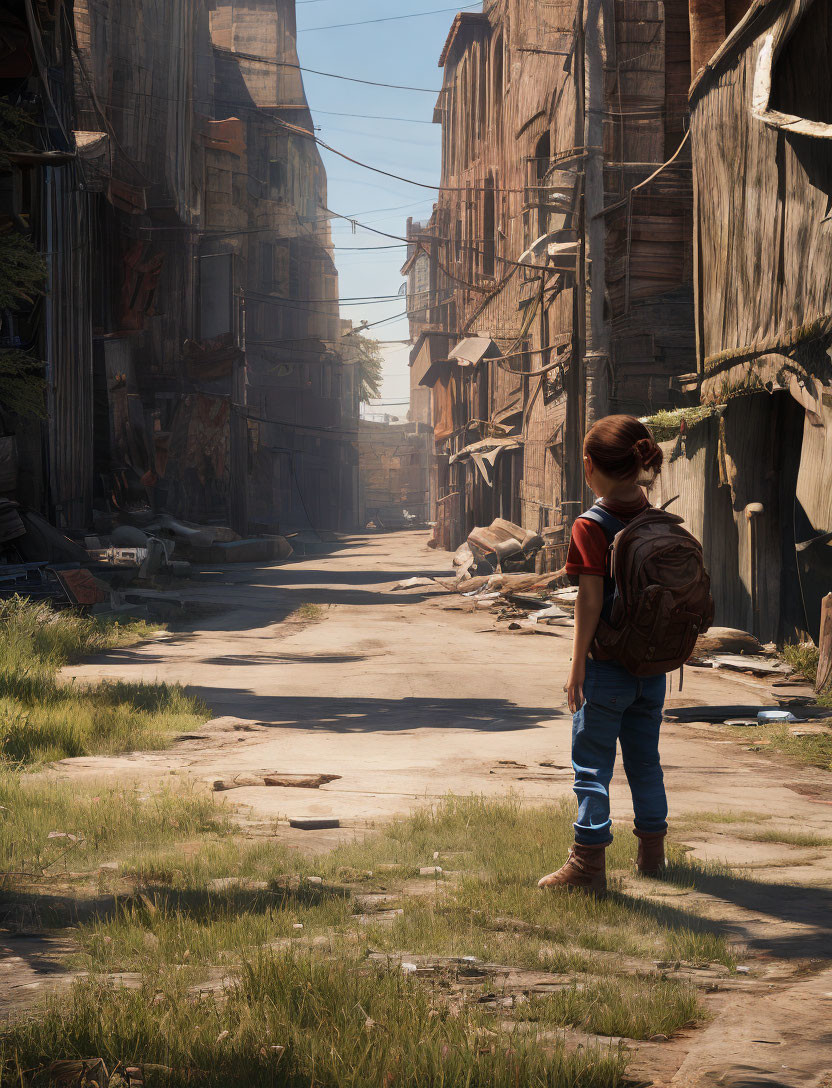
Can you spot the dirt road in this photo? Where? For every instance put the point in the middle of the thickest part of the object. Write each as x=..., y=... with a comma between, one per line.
x=322, y=666
x=408, y=696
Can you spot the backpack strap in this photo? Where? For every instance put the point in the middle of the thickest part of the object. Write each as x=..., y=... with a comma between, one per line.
x=612, y=526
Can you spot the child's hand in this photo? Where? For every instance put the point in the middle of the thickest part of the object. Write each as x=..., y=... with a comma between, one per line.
x=574, y=686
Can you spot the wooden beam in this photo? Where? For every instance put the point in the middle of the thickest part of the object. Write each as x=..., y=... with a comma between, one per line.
x=824, y=678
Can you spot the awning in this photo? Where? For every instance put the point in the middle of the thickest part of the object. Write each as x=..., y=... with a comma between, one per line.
x=91, y=144
x=434, y=372
x=473, y=350
x=485, y=453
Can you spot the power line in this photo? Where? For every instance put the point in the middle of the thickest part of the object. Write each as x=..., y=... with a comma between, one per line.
x=388, y=18
x=372, y=117
x=566, y=156
x=365, y=249
x=329, y=75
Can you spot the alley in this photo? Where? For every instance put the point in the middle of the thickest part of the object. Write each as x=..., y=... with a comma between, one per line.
x=322, y=666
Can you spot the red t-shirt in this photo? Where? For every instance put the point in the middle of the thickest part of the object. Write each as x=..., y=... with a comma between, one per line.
x=589, y=547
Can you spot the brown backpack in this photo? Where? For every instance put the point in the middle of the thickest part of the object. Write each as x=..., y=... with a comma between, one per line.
x=659, y=600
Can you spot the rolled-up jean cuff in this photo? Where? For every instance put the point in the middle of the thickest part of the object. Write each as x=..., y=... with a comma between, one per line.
x=655, y=828
x=602, y=837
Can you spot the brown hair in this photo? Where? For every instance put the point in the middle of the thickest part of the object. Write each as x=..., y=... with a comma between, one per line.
x=621, y=446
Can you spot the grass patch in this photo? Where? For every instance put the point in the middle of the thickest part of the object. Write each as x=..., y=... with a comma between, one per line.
x=309, y=967
x=627, y=1007
x=813, y=749
x=309, y=612
x=298, y=1021
x=692, y=820
x=788, y=838
x=42, y=719
x=804, y=658
x=106, y=823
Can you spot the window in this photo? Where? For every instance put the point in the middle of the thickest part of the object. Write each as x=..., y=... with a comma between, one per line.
x=543, y=157
x=488, y=229
x=498, y=89
x=267, y=263
x=277, y=177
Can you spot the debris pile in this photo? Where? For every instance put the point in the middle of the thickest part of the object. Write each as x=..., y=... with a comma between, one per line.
x=91, y=572
x=494, y=573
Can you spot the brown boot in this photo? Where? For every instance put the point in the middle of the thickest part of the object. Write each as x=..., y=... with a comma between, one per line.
x=651, y=860
x=585, y=868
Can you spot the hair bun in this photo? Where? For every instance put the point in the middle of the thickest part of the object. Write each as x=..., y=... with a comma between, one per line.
x=648, y=452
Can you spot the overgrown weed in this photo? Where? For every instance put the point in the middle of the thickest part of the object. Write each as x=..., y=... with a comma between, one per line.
x=42, y=719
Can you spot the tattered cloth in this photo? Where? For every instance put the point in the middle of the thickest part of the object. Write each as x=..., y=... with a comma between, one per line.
x=485, y=453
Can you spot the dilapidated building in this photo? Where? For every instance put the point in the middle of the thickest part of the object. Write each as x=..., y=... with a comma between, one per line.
x=193, y=356
x=561, y=245
x=754, y=466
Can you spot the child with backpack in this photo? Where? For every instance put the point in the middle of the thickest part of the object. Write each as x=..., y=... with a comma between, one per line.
x=643, y=599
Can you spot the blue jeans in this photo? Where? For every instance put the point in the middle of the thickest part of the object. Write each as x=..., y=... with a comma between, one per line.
x=618, y=707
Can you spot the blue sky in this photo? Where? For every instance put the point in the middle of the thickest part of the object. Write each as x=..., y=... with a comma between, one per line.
x=403, y=52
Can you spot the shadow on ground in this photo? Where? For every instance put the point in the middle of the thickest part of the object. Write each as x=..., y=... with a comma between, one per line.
x=792, y=921
x=346, y=715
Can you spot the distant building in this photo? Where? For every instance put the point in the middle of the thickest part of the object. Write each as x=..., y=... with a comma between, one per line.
x=194, y=360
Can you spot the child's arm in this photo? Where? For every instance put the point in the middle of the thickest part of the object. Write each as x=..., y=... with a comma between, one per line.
x=587, y=614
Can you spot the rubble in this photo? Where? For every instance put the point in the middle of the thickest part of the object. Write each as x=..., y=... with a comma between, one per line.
x=504, y=543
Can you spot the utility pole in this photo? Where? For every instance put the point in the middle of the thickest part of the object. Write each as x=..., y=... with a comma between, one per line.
x=597, y=344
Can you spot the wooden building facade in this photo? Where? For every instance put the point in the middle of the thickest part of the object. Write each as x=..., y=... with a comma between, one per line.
x=755, y=475
x=193, y=352
x=561, y=245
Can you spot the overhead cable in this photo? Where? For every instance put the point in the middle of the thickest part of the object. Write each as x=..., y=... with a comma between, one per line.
x=388, y=18
x=573, y=153
x=329, y=75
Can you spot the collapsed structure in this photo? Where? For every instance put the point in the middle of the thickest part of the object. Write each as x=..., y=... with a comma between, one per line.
x=189, y=332
x=609, y=238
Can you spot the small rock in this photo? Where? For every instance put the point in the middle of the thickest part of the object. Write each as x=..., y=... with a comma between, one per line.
x=223, y=883
x=409, y=968
x=659, y=1038
x=297, y=925
x=313, y=823
x=314, y=880
x=743, y=970
x=430, y=870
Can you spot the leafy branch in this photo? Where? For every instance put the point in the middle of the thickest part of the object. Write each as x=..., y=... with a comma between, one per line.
x=22, y=385
x=370, y=366
x=22, y=270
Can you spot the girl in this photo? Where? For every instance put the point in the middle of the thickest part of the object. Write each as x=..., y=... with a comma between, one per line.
x=609, y=704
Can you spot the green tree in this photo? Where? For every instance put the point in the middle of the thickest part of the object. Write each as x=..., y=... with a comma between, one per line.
x=22, y=385
x=22, y=270
x=370, y=366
